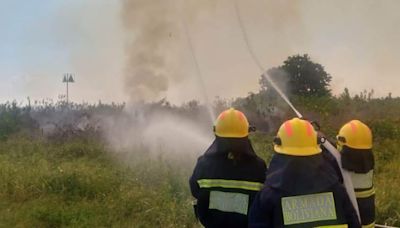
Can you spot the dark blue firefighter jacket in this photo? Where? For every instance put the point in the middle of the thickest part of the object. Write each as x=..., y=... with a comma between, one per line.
x=302, y=192
x=225, y=182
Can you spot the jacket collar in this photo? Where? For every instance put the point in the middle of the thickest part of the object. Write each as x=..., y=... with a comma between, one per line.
x=224, y=146
x=300, y=175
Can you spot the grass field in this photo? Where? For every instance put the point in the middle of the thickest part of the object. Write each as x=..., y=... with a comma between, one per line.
x=81, y=183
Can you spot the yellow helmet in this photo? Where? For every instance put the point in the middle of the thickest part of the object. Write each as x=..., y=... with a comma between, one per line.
x=231, y=123
x=355, y=134
x=297, y=137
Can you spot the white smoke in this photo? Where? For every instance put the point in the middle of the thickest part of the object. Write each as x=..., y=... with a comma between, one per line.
x=158, y=132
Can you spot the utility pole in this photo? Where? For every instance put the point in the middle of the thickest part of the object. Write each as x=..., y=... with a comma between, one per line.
x=68, y=78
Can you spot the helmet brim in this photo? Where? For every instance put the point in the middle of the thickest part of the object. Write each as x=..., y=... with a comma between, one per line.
x=359, y=147
x=297, y=151
x=232, y=135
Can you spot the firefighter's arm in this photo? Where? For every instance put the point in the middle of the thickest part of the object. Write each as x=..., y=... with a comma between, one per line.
x=195, y=189
x=261, y=212
x=194, y=186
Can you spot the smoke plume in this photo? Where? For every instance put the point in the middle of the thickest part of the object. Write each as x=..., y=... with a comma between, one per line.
x=156, y=45
x=150, y=25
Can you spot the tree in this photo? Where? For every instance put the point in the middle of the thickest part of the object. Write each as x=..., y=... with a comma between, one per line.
x=303, y=77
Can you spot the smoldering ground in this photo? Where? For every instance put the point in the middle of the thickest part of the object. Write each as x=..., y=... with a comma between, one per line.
x=158, y=130
x=149, y=130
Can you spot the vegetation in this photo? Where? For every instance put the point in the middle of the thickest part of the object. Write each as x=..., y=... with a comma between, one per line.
x=300, y=76
x=72, y=178
x=81, y=182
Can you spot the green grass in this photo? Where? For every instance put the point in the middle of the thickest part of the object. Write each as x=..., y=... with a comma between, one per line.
x=387, y=182
x=81, y=183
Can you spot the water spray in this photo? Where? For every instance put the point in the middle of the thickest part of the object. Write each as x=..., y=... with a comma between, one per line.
x=258, y=63
x=198, y=73
x=346, y=175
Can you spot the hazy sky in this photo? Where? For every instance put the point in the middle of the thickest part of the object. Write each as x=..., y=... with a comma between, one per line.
x=104, y=42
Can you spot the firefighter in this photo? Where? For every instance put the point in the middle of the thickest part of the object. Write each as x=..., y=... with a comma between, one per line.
x=301, y=187
x=354, y=141
x=228, y=175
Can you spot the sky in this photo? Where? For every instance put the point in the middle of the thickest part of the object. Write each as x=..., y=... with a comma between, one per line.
x=129, y=50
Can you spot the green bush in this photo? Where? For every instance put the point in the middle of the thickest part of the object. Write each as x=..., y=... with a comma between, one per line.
x=385, y=129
